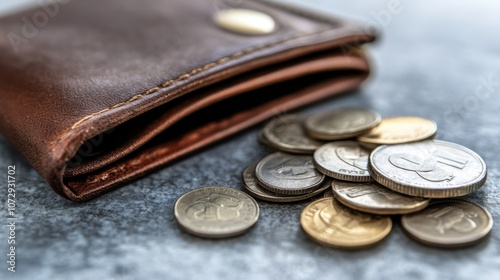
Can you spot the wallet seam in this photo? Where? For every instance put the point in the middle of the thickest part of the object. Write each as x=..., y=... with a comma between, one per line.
x=330, y=25
x=206, y=67
x=311, y=15
x=166, y=84
x=220, y=61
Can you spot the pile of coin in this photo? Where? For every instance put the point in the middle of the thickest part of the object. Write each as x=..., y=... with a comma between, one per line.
x=369, y=169
x=373, y=169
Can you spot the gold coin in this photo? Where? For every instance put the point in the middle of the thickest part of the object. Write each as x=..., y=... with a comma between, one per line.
x=255, y=190
x=376, y=199
x=399, y=130
x=216, y=212
x=330, y=223
x=341, y=123
x=449, y=223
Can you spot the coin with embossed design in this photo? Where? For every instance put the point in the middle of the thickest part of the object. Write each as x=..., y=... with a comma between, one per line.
x=341, y=123
x=286, y=133
x=449, y=223
x=330, y=223
x=255, y=190
x=216, y=212
x=343, y=160
x=376, y=199
x=433, y=169
x=398, y=130
x=288, y=174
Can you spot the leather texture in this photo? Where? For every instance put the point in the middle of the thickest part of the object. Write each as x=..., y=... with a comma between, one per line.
x=109, y=91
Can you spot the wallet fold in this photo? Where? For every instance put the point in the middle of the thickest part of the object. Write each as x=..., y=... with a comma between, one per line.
x=108, y=91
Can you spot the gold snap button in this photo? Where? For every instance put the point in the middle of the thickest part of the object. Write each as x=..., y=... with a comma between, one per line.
x=244, y=21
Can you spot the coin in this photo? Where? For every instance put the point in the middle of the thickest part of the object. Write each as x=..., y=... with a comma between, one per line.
x=286, y=133
x=376, y=199
x=288, y=174
x=341, y=123
x=433, y=169
x=253, y=188
x=330, y=223
x=399, y=130
x=449, y=223
x=343, y=160
x=216, y=212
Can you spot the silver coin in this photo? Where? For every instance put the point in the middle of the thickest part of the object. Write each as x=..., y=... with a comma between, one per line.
x=449, y=223
x=288, y=174
x=341, y=123
x=255, y=190
x=376, y=199
x=216, y=212
x=343, y=160
x=433, y=169
x=286, y=133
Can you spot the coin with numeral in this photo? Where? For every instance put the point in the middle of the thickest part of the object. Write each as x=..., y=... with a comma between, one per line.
x=328, y=222
x=288, y=174
x=341, y=123
x=398, y=130
x=376, y=199
x=216, y=212
x=286, y=133
x=255, y=190
x=343, y=160
x=449, y=223
x=432, y=169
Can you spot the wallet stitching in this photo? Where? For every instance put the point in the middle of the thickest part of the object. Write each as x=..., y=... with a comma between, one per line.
x=218, y=62
x=193, y=72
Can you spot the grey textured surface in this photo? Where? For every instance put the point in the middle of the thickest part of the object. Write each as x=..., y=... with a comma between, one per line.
x=429, y=62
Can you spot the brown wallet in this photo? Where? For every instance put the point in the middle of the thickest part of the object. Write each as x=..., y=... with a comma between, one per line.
x=98, y=93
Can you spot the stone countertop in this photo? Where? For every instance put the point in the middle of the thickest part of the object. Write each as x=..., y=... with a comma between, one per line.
x=429, y=61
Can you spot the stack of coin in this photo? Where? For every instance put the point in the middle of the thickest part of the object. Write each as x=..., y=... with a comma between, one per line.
x=371, y=169
x=281, y=177
x=379, y=168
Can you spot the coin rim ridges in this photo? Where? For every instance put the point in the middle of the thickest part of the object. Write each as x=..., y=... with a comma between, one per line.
x=285, y=191
x=429, y=193
x=205, y=234
x=343, y=177
x=464, y=241
x=379, y=239
x=283, y=199
x=380, y=211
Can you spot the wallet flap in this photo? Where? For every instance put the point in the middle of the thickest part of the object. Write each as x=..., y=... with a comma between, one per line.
x=98, y=64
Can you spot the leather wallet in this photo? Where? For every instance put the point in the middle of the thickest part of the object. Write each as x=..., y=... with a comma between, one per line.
x=98, y=93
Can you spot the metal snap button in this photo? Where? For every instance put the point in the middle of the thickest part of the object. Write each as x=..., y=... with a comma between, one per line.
x=244, y=21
